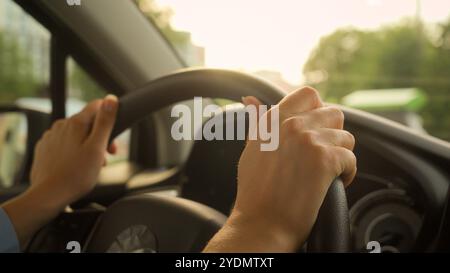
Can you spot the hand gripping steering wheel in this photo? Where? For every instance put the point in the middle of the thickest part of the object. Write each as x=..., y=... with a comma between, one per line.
x=179, y=225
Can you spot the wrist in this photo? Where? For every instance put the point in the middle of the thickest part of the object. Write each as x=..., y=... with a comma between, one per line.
x=262, y=234
x=30, y=211
x=46, y=198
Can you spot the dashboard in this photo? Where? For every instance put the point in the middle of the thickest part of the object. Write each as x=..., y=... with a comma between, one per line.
x=397, y=199
x=386, y=211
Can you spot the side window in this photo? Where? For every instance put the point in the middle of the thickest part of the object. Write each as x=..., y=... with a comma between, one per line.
x=24, y=54
x=24, y=81
x=24, y=77
x=81, y=90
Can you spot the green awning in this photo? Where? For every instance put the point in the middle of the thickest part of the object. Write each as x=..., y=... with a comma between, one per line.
x=401, y=99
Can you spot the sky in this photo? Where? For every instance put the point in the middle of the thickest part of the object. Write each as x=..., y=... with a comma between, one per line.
x=279, y=35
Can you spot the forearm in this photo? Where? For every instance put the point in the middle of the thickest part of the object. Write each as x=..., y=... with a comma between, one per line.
x=29, y=212
x=240, y=235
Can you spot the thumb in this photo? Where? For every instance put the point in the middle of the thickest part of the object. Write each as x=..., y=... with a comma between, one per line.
x=104, y=121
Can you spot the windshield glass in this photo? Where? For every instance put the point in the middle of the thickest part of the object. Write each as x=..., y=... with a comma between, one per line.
x=390, y=58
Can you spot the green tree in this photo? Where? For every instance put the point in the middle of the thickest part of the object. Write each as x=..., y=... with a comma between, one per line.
x=436, y=81
x=400, y=55
x=344, y=62
x=16, y=71
x=161, y=17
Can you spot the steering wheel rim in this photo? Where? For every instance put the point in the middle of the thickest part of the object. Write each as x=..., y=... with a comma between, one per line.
x=187, y=84
x=331, y=232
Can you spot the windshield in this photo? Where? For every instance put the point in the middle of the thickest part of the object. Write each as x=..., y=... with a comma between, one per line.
x=391, y=58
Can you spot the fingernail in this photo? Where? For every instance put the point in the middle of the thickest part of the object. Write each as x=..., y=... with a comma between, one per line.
x=109, y=103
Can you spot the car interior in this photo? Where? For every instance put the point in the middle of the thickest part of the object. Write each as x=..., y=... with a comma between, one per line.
x=175, y=195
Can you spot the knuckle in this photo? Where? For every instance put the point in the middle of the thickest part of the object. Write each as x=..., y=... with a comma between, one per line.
x=293, y=125
x=77, y=121
x=309, y=137
x=46, y=135
x=337, y=115
x=58, y=124
x=312, y=95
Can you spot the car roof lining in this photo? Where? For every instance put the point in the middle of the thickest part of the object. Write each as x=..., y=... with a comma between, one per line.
x=131, y=54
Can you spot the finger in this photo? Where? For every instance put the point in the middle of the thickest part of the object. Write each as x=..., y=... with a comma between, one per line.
x=112, y=148
x=253, y=127
x=324, y=117
x=82, y=122
x=104, y=121
x=58, y=124
x=88, y=113
x=45, y=136
x=347, y=165
x=299, y=101
x=251, y=100
x=335, y=137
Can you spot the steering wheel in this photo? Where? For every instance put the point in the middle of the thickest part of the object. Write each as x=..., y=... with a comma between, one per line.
x=178, y=225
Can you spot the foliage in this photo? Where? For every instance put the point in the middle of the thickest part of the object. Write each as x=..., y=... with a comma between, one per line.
x=162, y=18
x=407, y=54
x=16, y=71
